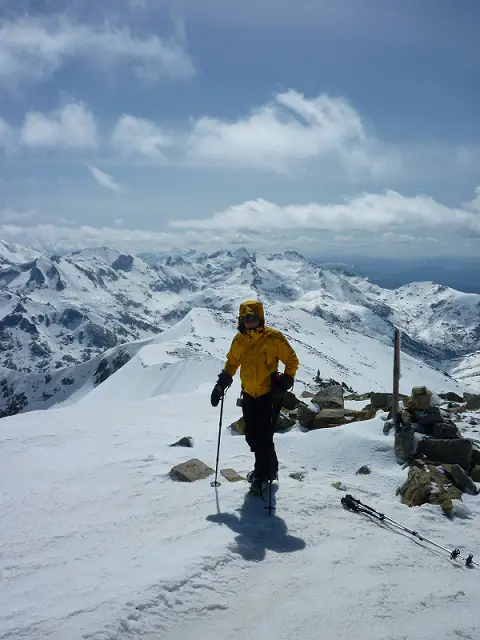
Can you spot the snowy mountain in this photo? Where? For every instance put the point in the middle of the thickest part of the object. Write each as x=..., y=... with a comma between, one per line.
x=204, y=336
x=60, y=311
x=99, y=542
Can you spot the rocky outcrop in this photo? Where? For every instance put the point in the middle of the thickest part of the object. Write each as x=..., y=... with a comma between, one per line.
x=284, y=422
x=450, y=396
x=306, y=415
x=472, y=401
x=429, y=484
x=123, y=263
x=381, y=401
x=329, y=418
x=458, y=451
x=330, y=397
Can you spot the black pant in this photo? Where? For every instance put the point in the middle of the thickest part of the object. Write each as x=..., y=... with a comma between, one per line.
x=261, y=415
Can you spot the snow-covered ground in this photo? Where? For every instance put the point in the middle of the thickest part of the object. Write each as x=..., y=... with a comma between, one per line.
x=98, y=542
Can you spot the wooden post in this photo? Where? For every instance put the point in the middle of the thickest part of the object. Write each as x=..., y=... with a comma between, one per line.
x=396, y=377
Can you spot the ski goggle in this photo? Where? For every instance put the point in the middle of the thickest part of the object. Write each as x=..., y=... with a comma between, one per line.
x=251, y=316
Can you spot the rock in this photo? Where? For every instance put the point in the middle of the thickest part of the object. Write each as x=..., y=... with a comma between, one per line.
x=183, y=442
x=451, y=396
x=416, y=488
x=381, y=401
x=290, y=401
x=445, y=499
x=475, y=473
x=190, y=471
x=357, y=396
x=457, y=451
x=387, y=426
x=297, y=475
x=463, y=481
x=284, y=422
x=472, y=401
x=429, y=485
x=307, y=394
x=363, y=414
x=306, y=415
x=231, y=475
x=238, y=427
x=330, y=397
x=405, y=418
x=445, y=431
x=339, y=485
x=364, y=470
x=329, y=417
x=452, y=405
x=123, y=263
x=475, y=455
x=403, y=444
x=420, y=398
x=429, y=416
x=457, y=410
x=473, y=421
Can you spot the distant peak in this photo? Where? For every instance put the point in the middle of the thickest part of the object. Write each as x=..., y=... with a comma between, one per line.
x=242, y=253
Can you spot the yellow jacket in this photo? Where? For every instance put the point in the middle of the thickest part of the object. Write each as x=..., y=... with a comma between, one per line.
x=257, y=353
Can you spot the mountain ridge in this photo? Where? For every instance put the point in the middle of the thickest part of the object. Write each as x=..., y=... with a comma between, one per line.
x=59, y=311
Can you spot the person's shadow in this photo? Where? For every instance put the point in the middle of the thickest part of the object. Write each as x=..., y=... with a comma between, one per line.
x=257, y=530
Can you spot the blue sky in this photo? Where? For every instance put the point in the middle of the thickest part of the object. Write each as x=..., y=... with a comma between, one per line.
x=331, y=127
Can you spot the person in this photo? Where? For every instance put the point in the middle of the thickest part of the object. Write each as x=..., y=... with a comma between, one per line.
x=257, y=350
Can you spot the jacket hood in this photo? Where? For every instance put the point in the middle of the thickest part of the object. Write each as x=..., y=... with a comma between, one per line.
x=252, y=306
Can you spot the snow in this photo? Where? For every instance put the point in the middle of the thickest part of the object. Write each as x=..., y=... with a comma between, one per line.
x=467, y=370
x=98, y=543
x=438, y=323
x=11, y=253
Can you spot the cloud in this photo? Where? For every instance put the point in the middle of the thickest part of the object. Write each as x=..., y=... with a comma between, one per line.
x=366, y=212
x=287, y=131
x=34, y=48
x=103, y=179
x=139, y=136
x=64, y=237
x=7, y=135
x=10, y=216
x=72, y=126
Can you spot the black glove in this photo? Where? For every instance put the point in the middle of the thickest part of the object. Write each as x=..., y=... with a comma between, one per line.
x=281, y=384
x=223, y=382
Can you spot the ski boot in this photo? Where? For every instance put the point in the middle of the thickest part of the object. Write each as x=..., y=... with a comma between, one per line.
x=257, y=487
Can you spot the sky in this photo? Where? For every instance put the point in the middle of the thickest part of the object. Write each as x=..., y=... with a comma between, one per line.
x=331, y=128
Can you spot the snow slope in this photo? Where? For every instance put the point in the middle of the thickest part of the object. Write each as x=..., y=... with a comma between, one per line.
x=98, y=543
x=467, y=370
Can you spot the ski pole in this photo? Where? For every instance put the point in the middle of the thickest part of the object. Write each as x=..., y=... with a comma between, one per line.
x=215, y=483
x=356, y=505
x=270, y=507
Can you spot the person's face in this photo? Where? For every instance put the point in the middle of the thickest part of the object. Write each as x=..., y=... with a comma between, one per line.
x=251, y=321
